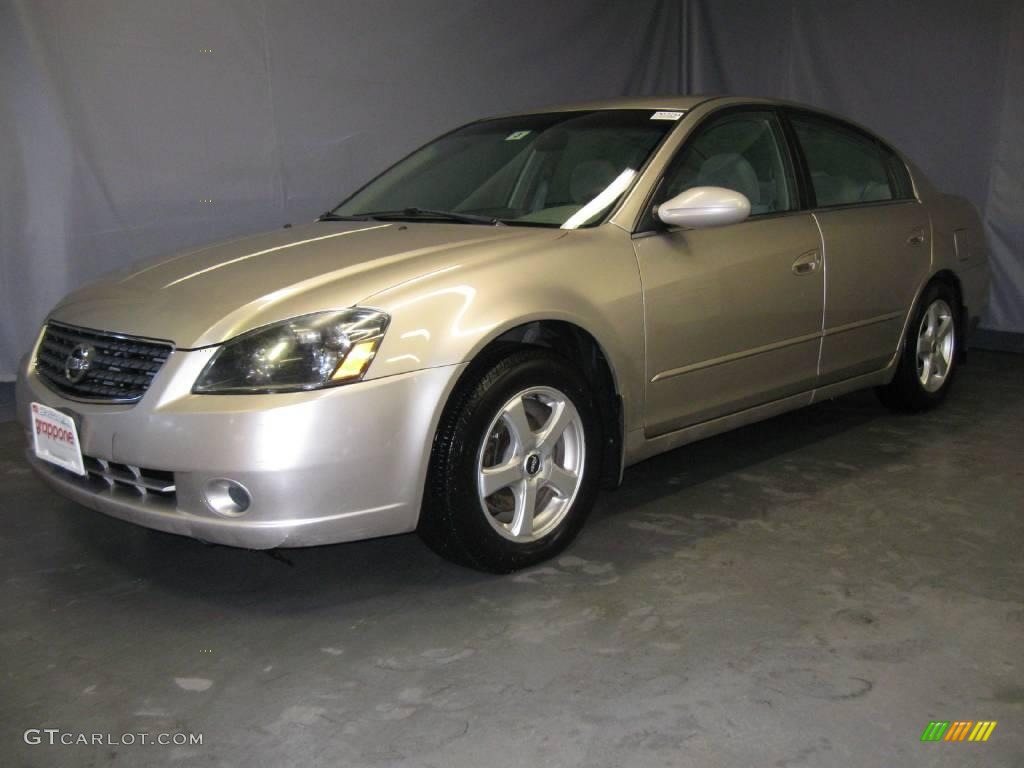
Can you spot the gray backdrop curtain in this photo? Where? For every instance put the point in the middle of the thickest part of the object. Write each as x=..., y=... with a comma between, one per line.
x=120, y=118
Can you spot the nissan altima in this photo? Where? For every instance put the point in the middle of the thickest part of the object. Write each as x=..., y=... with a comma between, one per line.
x=478, y=339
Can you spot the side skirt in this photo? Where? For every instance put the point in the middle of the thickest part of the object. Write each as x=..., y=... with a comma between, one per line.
x=639, y=448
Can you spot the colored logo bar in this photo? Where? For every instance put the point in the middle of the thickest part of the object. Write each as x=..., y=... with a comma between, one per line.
x=958, y=730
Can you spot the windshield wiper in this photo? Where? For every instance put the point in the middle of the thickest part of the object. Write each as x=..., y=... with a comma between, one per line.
x=429, y=214
x=331, y=216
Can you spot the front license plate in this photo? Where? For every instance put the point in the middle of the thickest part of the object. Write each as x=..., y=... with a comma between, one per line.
x=55, y=438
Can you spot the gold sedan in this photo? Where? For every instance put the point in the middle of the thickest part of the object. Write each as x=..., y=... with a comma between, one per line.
x=475, y=341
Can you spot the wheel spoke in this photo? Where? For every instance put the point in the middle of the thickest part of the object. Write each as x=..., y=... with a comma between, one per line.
x=933, y=320
x=939, y=364
x=945, y=325
x=924, y=345
x=561, y=416
x=526, y=503
x=515, y=417
x=493, y=479
x=563, y=481
x=926, y=368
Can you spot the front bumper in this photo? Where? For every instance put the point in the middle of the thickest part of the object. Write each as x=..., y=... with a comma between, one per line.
x=334, y=465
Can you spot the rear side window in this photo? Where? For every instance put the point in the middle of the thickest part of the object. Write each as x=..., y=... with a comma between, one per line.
x=847, y=167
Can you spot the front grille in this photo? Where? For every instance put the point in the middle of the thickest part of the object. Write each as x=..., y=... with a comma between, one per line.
x=120, y=368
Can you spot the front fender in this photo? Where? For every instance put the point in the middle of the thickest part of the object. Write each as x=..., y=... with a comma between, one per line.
x=589, y=278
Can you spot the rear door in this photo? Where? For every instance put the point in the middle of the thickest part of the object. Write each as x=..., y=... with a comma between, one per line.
x=877, y=240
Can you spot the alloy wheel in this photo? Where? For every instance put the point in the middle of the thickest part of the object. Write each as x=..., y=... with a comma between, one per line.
x=530, y=464
x=936, y=345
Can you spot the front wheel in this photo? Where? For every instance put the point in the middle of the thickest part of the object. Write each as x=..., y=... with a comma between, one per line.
x=929, y=357
x=513, y=471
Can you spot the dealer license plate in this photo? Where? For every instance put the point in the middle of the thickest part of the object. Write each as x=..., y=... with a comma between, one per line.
x=55, y=438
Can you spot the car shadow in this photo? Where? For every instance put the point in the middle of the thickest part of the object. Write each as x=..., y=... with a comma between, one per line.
x=730, y=452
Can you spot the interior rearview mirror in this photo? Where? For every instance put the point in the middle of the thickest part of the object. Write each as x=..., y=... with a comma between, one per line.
x=704, y=207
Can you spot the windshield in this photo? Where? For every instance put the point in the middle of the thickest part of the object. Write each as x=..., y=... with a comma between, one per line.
x=561, y=169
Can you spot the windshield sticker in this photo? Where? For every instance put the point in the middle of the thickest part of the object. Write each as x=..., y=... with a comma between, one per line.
x=665, y=115
x=517, y=135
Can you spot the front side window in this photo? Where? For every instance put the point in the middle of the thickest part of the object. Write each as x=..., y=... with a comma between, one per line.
x=846, y=166
x=562, y=169
x=741, y=151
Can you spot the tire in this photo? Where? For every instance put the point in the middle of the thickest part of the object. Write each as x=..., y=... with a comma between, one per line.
x=495, y=420
x=928, y=360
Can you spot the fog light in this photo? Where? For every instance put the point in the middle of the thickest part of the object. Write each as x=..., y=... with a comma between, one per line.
x=226, y=497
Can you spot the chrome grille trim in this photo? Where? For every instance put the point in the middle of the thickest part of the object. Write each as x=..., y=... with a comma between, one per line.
x=142, y=480
x=154, y=487
x=121, y=369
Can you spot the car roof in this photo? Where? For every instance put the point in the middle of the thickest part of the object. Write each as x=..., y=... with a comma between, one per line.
x=674, y=102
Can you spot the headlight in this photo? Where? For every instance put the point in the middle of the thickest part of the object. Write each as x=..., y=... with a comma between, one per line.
x=308, y=352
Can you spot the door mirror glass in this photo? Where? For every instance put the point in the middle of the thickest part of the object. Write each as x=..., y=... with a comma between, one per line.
x=700, y=207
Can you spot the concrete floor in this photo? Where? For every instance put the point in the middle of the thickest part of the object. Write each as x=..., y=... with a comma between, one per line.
x=811, y=591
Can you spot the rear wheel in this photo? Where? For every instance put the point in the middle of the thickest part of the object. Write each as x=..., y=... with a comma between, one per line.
x=929, y=357
x=513, y=471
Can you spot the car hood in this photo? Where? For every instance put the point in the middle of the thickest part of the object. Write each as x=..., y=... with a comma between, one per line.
x=207, y=295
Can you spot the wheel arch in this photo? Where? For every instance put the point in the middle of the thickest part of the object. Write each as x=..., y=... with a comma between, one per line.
x=586, y=353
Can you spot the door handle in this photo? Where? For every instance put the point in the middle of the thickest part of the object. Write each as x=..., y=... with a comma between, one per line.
x=807, y=263
x=916, y=237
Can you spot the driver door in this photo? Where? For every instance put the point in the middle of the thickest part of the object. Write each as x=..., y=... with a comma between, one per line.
x=733, y=314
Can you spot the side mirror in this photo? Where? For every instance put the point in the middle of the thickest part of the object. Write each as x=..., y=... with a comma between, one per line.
x=700, y=207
